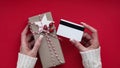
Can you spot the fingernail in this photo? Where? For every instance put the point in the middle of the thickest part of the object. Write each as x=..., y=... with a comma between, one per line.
x=41, y=36
x=82, y=23
x=72, y=40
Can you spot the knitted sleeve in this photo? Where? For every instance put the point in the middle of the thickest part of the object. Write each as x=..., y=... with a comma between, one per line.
x=25, y=61
x=91, y=58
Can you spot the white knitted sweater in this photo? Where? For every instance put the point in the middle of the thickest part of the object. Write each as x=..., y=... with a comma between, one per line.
x=90, y=59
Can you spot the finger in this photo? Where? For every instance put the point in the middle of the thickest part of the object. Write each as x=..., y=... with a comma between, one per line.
x=95, y=43
x=93, y=30
x=37, y=44
x=23, y=35
x=87, y=36
x=24, y=32
x=78, y=45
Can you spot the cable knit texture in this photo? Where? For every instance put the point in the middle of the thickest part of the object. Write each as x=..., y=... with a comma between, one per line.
x=91, y=58
x=25, y=61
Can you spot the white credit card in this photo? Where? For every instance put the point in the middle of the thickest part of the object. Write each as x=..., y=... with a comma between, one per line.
x=70, y=30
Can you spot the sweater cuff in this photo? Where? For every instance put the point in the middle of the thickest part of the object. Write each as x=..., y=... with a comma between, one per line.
x=91, y=58
x=25, y=61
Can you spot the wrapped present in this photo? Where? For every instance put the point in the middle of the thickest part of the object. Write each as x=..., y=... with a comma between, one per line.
x=50, y=50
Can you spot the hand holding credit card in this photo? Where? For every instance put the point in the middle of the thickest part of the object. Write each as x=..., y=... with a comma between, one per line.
x=70, y=30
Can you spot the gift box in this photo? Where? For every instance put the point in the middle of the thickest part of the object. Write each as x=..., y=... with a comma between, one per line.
x=50, y=51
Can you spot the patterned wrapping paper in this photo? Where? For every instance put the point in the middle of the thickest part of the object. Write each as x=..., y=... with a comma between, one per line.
x=50, y=51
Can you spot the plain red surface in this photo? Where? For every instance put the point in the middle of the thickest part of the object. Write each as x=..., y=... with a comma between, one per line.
x=104, y=15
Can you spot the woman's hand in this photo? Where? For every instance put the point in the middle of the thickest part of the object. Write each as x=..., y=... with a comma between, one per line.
x=28, y=45
x=89, y=41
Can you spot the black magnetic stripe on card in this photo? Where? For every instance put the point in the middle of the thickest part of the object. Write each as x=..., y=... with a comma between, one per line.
x=72, y=25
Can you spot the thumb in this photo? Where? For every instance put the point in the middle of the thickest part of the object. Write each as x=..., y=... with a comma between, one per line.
x=37, y=44
x=78, y=45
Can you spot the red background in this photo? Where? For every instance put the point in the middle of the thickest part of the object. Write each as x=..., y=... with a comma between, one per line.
x=104, y=15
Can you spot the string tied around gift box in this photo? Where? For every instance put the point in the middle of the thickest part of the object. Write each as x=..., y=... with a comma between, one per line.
x=48, y=31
